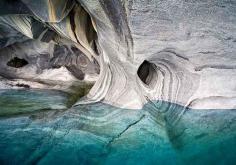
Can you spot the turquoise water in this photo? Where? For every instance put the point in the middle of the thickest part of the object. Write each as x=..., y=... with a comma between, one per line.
x=160, y=133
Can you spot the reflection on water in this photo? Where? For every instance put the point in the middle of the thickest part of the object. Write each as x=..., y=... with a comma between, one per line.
x=160, y=133
x=18, y=101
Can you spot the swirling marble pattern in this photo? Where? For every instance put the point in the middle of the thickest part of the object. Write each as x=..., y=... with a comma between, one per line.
x=191, y=59
x=162, y=78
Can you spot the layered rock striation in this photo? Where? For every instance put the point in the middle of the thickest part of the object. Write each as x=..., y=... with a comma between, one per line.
x=134, y=51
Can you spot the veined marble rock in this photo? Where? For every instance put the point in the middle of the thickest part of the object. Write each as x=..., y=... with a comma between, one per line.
x=137, y=51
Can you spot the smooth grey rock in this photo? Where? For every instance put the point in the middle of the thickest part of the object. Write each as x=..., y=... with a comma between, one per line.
x=189, y=44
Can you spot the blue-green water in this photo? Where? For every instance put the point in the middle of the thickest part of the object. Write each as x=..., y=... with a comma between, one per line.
x=160, y=133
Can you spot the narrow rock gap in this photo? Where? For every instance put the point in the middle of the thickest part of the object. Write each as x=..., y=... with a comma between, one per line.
x=125, y=130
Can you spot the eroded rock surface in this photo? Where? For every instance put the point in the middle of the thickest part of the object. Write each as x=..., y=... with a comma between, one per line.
x=189, y=45
x=162, y=78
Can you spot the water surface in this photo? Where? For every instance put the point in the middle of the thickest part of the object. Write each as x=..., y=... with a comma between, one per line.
x=160, y=133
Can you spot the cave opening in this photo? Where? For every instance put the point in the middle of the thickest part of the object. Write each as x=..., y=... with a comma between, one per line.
x=147, y=73
x=17, y=62
x=75, y=54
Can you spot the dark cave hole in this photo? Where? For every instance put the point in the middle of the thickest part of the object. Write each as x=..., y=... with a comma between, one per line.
x=22, y=85
x=17, y=62
x=147, y=73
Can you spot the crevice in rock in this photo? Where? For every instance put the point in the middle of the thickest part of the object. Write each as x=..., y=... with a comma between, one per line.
x=122, y=132
x=17, y=62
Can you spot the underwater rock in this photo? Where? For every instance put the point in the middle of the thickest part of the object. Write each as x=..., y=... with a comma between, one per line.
x=104, y=134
